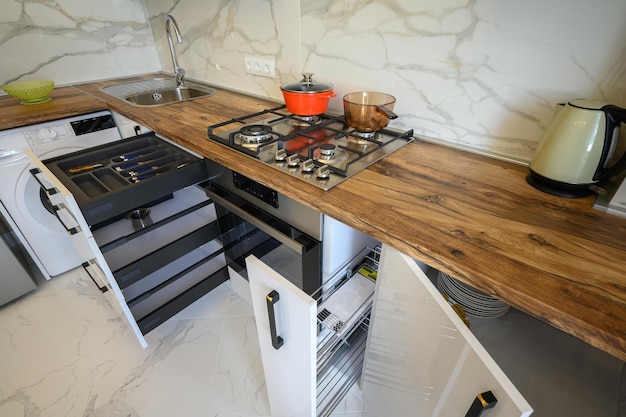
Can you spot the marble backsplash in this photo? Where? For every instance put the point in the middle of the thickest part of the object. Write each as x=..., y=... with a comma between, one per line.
x=481, y=74
x=218, y=34
x=71, y=41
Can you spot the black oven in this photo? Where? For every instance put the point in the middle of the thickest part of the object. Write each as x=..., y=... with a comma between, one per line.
x=255, y=220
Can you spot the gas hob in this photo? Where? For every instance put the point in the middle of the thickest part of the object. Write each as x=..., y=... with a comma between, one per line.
x=320, y=150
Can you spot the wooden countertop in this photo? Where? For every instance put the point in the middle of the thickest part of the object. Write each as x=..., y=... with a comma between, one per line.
x=472, y=217
x=66, y=102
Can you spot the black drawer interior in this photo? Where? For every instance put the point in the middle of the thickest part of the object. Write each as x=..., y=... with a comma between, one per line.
x=110, y=180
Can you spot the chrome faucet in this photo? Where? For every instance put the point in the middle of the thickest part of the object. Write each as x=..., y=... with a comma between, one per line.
x=179, y=73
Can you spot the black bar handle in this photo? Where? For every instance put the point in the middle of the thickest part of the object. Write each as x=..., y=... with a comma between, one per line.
x=271, y=299
x=481, y=402
x=85, y=266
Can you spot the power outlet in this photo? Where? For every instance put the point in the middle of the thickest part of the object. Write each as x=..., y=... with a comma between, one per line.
x=260, y=66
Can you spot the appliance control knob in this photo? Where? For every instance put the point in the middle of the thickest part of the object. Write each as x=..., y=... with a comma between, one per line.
x=323, y=172
x=281, y=155
x=308, y=166
x=49, y=133
x=327, y=150
x=293, y=160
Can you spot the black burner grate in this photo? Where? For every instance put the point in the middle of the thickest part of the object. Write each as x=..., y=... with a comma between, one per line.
x=305, y=140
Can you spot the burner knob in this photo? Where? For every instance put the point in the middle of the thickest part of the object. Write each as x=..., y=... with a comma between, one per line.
x=293, y=160
x=327, y=150
x=281, y=155
x=323, y=172
x=308, y=166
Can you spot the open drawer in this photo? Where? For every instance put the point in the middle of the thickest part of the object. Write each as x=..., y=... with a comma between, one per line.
x=108, y=181
x=168, y=265
x=148, y=272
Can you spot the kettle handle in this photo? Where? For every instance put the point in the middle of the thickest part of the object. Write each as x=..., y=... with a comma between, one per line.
x=614, y=116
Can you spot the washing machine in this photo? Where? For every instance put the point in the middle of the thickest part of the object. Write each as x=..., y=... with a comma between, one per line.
x=25, y=205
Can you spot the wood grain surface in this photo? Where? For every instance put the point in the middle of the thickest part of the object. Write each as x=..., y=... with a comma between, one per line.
x=66, y=102
x=470, y=216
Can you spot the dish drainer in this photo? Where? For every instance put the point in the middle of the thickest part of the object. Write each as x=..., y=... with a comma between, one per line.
x=341, y=345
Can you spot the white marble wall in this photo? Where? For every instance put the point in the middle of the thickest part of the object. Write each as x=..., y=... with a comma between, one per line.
x=71, y=41
x=484, y=74
x=219, y=33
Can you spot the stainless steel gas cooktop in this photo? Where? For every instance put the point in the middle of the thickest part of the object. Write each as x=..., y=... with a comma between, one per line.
x=321, y=150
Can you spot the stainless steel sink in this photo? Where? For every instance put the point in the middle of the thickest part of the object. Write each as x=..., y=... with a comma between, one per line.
x=171, y=95
x=157, y=92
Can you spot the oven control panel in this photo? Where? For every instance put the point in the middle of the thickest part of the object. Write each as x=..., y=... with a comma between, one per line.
x=255, y=189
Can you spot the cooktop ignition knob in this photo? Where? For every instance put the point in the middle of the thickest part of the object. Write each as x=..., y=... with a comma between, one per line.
x=323, y=172
x=327, y=151
x=281, y=155
x=293, y=160
x=308, y=166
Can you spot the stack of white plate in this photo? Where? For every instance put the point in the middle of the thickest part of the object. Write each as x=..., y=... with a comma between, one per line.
x=473, y=301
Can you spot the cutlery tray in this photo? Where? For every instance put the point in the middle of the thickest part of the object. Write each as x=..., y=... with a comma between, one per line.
x=110, y=180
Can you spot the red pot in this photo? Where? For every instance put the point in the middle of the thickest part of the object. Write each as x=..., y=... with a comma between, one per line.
x=307, y=97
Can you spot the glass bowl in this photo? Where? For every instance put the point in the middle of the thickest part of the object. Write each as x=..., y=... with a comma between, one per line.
x=30, y=92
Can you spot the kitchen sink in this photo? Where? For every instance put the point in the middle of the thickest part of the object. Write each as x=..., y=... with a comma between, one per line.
x=157, y=92
x=171, y=95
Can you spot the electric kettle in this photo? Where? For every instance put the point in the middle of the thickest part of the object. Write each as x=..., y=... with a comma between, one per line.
x=577, y=149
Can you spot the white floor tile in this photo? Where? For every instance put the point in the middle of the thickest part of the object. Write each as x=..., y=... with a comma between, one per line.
x=68, y=299
x=238, y=384
x=63, y=352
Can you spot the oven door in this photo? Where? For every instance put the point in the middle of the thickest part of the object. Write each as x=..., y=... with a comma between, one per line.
x=247, y=230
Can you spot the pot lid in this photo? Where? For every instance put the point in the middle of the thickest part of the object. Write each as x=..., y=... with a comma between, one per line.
x=307, y=85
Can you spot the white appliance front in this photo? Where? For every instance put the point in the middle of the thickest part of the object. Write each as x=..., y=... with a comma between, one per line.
x=47, y=242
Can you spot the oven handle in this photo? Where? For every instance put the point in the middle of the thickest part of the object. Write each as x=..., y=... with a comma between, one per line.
x=282, y=238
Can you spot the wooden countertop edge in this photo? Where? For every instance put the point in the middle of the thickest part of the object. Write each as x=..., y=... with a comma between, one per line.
x=588, y=312
x=66, y=102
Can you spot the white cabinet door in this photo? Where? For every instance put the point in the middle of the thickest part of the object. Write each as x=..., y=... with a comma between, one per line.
x=421, y=360
x=289, y=363
x=72, y=219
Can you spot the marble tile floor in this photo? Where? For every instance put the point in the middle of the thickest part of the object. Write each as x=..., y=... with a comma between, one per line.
x=64, y=352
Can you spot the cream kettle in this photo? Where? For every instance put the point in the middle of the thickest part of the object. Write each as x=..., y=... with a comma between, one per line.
x=577, y=149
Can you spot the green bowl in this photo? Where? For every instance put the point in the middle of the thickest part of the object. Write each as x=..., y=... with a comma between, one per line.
x=30, y=92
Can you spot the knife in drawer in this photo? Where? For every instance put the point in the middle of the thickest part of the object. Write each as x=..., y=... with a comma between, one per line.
x=134, y=164
x=156, y=171
x=131, y=156
x=85, y=168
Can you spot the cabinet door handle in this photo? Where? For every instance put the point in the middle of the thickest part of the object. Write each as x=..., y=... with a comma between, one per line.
x=481, y=402
x=271, y=299
x=36, y=173
x=91, y=271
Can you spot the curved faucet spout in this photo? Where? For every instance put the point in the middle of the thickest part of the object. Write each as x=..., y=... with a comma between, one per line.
x=179, y=73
